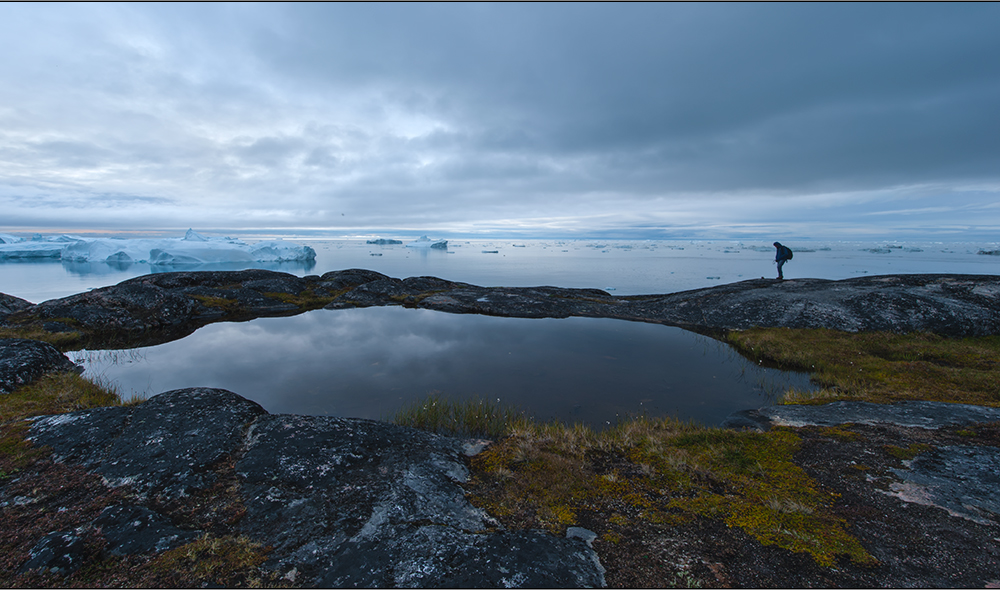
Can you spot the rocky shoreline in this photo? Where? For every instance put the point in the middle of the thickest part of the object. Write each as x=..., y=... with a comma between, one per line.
x=165, y=306
x=349, y=502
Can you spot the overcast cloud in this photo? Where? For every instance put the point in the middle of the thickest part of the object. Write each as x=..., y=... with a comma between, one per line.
x=634, y=120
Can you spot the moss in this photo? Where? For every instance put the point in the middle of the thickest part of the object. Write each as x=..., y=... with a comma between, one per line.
x=35, y=331
x=665, y=473
x=226, y=561
x=840, y=432
x=906, y=453
x=227, y=306
x=306, y=300
x=56, y=393
x=880, y=366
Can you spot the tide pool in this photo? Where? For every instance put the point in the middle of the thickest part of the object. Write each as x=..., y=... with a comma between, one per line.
x=368, y=363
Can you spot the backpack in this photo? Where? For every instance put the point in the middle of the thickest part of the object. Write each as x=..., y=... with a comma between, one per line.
x=786, y=252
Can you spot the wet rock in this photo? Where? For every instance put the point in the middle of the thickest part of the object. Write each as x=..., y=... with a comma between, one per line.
x=132, y=529
x=23, y=361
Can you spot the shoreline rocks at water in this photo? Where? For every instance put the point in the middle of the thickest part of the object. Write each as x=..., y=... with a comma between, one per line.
x=161, y=307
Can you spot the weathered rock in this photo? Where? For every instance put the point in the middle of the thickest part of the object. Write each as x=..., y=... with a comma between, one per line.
x=911, y=414
x=129, y=529
x=960, y=479
x=442, y=557
x=59, y=553
x=344, y=502
x=952, y=305
x=9, y=304
x=165, y=306
x=23, y=361
x=165, y=446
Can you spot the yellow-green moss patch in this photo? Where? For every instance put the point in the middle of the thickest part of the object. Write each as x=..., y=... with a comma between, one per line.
x=881, y=366
x=663, y=472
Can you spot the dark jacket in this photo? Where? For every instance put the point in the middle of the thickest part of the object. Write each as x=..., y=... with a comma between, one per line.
x=783, y=253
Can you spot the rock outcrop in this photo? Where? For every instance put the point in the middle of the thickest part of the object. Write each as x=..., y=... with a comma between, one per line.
x=23, y=361
x=9, y=304
x=343, y=502
x=161, y=307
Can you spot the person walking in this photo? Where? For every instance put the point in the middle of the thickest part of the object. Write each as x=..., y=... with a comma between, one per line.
x=783, y=255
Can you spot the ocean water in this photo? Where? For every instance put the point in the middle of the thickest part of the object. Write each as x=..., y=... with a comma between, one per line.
x=623, y=267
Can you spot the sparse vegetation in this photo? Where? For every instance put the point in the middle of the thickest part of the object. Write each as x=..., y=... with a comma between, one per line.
x=473, y=417
x=662, y=472
x=880, y=366
x=306, y=300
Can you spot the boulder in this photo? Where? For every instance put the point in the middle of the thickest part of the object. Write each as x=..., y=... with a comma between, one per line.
x=23, y=361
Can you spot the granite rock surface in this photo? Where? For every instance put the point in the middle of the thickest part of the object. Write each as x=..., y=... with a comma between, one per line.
x=343, y=502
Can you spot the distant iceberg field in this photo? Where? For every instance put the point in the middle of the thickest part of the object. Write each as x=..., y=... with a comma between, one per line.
x=193, y=248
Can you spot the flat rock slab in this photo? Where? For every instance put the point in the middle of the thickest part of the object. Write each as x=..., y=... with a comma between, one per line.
x=23, y=361
x=343, y=502
x=910, y=414
x=960, y=479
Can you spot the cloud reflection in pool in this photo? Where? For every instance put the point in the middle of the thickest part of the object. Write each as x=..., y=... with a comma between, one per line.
x=369, y=362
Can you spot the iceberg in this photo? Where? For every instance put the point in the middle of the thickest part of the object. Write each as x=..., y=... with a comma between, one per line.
x=193, y=248
x=28, y=250
x=425, y=242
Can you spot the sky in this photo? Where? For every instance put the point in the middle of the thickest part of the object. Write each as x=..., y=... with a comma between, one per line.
x=553, y=120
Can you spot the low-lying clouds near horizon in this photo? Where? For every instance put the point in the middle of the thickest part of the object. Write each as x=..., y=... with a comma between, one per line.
x=632, y=120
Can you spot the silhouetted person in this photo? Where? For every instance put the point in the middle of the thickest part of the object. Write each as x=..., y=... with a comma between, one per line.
x=783, y=255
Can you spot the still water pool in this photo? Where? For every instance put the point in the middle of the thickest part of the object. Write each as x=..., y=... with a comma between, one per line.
x=369, y=363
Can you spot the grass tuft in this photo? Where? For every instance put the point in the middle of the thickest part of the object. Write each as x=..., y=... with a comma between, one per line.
x=473, y=417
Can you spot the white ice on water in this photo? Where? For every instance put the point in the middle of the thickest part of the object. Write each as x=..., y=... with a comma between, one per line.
x=193, y=248
x=425, y=242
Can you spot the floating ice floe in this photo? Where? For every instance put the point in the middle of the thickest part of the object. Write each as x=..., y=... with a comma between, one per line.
x=425, y=242
x=193, y=248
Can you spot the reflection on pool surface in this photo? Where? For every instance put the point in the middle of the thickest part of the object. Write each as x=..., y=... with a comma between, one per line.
x=370, y=362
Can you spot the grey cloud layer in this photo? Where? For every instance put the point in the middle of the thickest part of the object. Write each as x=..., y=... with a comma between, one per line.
x=600, y=116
